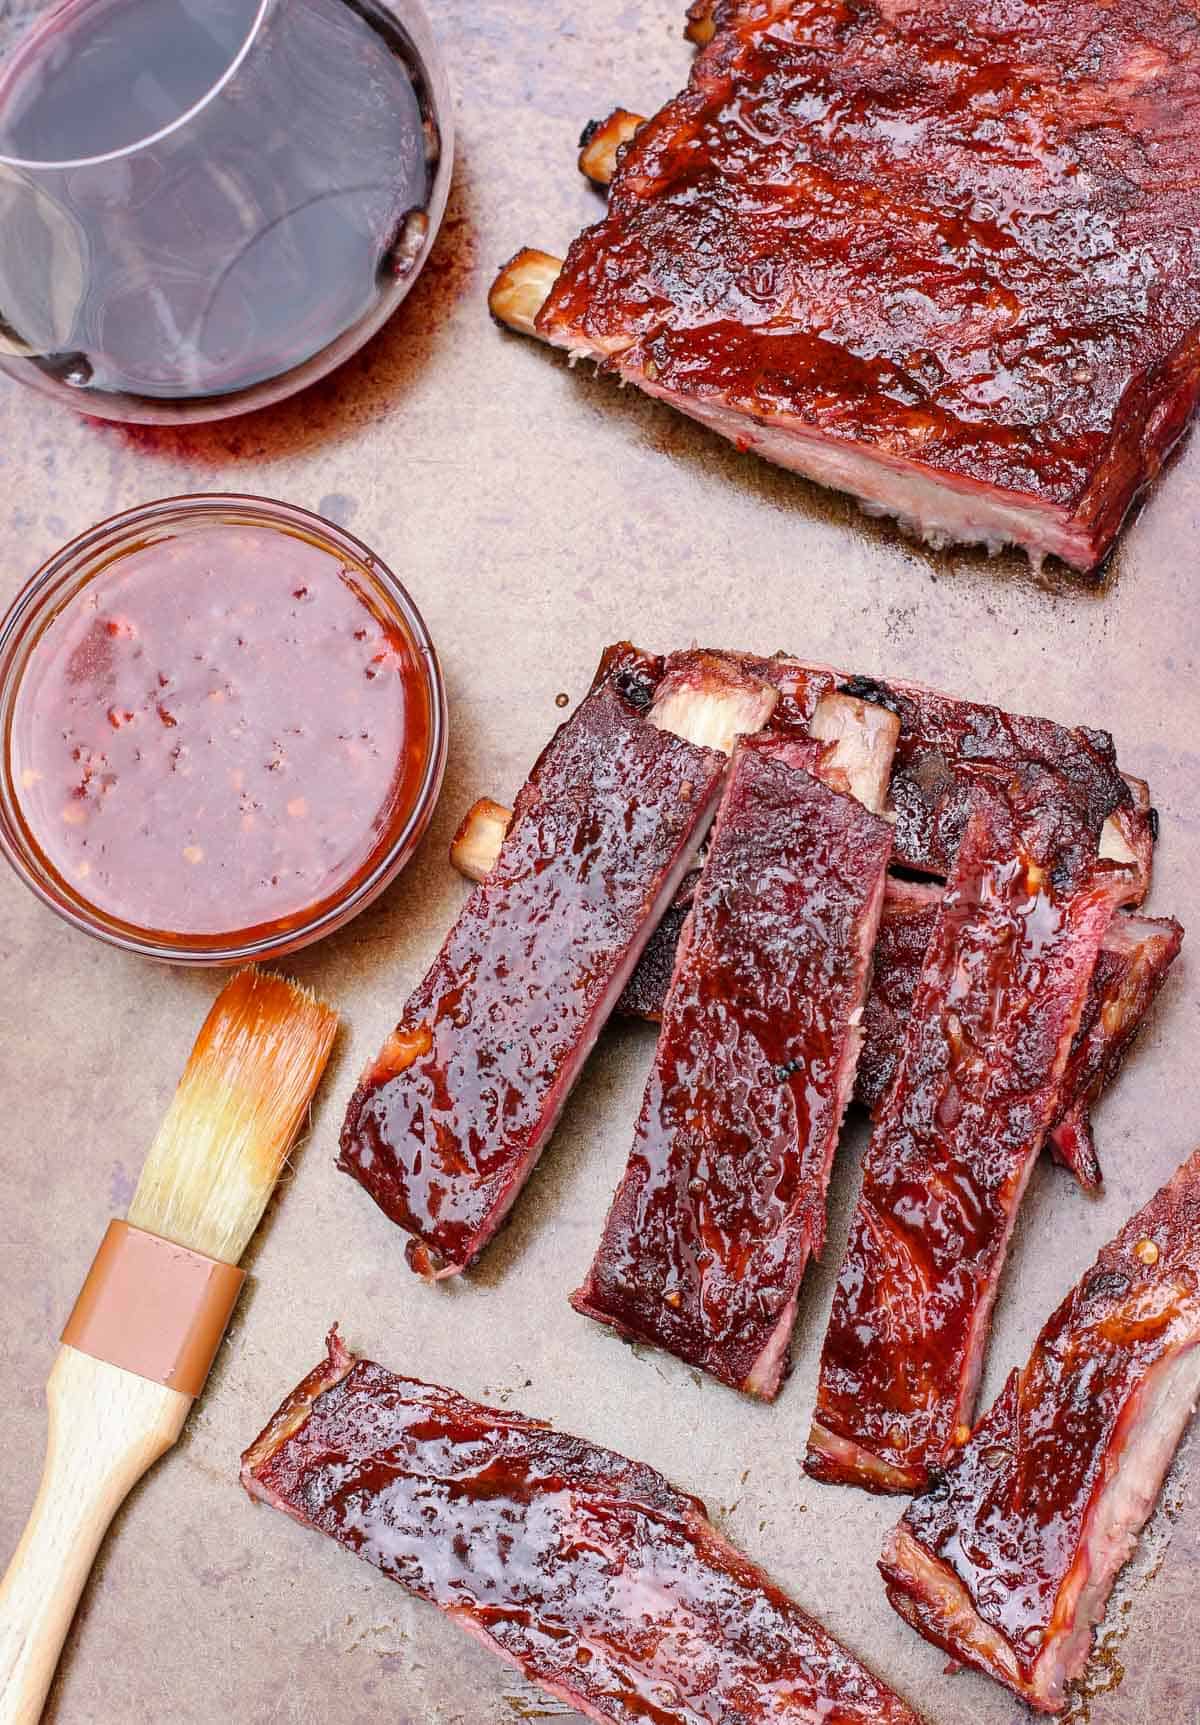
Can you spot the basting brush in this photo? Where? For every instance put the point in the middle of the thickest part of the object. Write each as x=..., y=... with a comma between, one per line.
x=144, y=1332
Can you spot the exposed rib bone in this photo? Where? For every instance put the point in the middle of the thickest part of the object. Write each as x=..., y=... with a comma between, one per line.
x=519, y=291
x=602, y=140
x=476, y=844
x=701, y=25
x=701, y=700
x=862, y=739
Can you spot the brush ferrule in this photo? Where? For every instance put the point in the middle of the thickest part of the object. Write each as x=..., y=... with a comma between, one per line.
x=154, y=1308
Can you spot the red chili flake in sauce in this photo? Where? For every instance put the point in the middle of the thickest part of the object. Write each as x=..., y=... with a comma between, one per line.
x=219, y=733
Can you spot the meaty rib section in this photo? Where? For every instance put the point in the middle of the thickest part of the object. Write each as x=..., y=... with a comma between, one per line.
x=1137, y=954
x=1008, y=1560
x=949, y=746
x=590, y=1573
x=723, y=1199
x=1134, y=960
x=942, y=257
x=448, y=1121
x=997, y=1007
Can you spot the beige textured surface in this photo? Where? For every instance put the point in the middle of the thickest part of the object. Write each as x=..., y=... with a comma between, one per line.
x=538, y=514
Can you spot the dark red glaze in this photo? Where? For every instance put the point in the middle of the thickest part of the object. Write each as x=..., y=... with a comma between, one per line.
x=1133, y=963
x=1009, y=1558
x=723, y=1199
x=448, y=1121
x=594, y=1576
x=1137, y=954
x=948, y=746
x=956, y=243
x=910, y=914
x=997, y=1007
x=646, y=990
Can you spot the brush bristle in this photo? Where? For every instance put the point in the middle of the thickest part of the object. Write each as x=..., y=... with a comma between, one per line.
x=244, y=1092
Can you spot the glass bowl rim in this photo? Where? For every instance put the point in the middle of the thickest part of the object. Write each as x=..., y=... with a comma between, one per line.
x=29, y=607
x=45, y=26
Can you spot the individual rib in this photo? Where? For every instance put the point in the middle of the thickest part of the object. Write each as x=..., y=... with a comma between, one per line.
x=595, y=1577
x=452, y=1115
x=1008, y=1560
x=1134, y=961
x=723, y=1199
x=1001, y=992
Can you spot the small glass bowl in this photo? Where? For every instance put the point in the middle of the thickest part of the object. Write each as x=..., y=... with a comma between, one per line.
x=57, y=583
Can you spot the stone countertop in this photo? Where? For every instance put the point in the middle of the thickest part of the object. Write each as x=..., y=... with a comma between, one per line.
x=538, y=513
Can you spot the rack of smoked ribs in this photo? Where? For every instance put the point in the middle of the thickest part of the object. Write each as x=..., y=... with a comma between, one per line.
x=984, y=329
x=821, y=886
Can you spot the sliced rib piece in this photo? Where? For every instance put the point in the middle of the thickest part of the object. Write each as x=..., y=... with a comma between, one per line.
x=1133, y=964
x=449, y=1120
x=999, y=1001
x=723, y=1199
x=1009, y=1559
x=941, y=257
x=590, y=1573
x=1137, y=953
x=947, y=746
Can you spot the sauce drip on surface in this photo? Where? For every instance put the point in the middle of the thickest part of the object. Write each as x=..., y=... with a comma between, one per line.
x=220, y=732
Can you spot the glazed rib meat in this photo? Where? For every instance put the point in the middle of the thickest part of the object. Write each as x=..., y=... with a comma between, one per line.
x=948, y=746
x=590, y=1573
x=1008, y=1560
x=1137, y=953
x=1134, y=961
x=723, y=1199
x=448, y=1121
x=997, y=1007
x=910, y=916
x=940, y=256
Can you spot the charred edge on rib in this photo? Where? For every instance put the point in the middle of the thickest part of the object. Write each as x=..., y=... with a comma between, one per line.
x=871, y=689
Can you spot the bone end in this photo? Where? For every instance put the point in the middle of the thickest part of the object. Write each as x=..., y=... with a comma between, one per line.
x=602, y=140
x=476, y=844
x=701, y=25
x=862, y=741
x=709, y=699
x=521, y=289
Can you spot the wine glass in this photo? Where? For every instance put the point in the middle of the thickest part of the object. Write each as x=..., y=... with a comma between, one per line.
x=207, y=204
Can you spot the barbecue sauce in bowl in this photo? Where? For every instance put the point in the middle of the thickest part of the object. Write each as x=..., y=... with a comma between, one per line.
x=224, y=737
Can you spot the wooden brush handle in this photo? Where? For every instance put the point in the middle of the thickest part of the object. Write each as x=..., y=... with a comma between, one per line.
x=106, y=1427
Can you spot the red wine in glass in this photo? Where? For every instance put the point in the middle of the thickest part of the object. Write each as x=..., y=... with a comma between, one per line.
x=204, y=203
